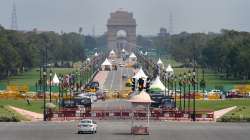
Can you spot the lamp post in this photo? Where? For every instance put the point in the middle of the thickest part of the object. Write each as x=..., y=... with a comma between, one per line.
x=189, y=88
x=194, y=113
x=165, y=83
x=168, y=74
x=44, y=83
x=59, y=92
x=44, y=94
x=180, y=85
x=50, y=77
x=40, y=80
x=184, y=91
x=175, y=79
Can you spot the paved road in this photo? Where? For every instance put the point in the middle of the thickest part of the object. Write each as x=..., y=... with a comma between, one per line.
x=114, y=130
x=114, y=79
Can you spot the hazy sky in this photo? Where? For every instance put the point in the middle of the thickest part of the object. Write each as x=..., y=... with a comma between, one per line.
x=150, y=15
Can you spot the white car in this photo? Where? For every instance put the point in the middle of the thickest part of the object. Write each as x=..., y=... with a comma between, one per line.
x=87, y=125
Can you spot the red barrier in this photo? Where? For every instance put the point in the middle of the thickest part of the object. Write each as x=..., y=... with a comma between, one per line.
x=156, y=114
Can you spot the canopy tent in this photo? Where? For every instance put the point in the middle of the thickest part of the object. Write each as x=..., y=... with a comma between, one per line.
x=123, y=50
x=140, y=74
x=106, y=65
x=132, y=59
x=159, y=62
x=146, y=53
x=88, y=59
x=157, y=84
x=132, y=55
x=112, y=54
x=169, y=69
x=55, y=80
x=96, y=54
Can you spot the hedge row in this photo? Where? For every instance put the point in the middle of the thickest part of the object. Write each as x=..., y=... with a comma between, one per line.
x=234, y=119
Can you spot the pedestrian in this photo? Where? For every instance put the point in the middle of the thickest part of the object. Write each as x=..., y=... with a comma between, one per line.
x=28, y=100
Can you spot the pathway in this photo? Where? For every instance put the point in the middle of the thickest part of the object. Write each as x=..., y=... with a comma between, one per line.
x=220, y=113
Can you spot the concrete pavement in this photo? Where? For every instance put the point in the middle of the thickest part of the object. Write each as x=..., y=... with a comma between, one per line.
x=120, y=130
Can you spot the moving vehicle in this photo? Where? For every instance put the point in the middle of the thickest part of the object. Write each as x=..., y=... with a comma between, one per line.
x=92, y=87
x=87, y=125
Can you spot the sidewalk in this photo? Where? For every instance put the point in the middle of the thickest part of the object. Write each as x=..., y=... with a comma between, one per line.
x=220, y=113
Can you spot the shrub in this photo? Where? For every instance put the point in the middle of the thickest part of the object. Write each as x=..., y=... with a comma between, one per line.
x=9, y=119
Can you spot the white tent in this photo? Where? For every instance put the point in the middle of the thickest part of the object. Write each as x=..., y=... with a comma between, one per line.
x=112, y=54
x=132, y=59
x=132, y=55
x=159, y=62
x=123, y=50
x=170, y=70
x=106, y=65
x=146, y=53
x=55, y=80
x=96, y=54
x=88, y=59
x=157, y=84
x=140, y=74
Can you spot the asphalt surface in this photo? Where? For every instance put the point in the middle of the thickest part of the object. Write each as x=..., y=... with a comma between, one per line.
x=120, y=130
x=114, y=79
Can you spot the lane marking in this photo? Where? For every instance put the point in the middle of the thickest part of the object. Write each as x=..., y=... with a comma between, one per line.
x=121, y=83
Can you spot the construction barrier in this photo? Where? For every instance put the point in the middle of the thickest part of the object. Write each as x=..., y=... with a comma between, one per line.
x=73, y=114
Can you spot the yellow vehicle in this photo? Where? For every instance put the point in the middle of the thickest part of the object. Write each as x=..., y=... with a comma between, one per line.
x=15, y=91
x=129, y=82
x=124, y=94
x=92, y=87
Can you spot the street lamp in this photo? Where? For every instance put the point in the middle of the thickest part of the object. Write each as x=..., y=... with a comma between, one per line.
x=50, y=77
x=194, y=113
x=45, y=57
x=44, y=94
x=170, y=73
x=180, y=84
x=175, y=79
x=184, y=91
x=165, y=83
x=189, y=88
x=168, y=81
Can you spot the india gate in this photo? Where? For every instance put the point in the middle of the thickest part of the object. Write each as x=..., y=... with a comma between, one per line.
x=121, y=30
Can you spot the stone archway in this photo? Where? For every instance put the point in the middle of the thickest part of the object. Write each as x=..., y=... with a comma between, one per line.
x=121, y=21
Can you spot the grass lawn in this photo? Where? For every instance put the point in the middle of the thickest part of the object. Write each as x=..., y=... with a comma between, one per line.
x=212, y=79
x=240, y=114
x=172, y=62
x=221, y=104
x=36, y=106
x=30, y=78
x=218, y=104
x=8, y=114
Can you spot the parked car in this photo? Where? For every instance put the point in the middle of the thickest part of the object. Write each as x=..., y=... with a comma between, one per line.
x=215, y=91
x=162, y=101
x=87, y=125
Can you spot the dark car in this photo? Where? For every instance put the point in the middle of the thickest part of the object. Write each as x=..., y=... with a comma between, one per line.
x=86, y=102
x=167, y=103
x=161, y=101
